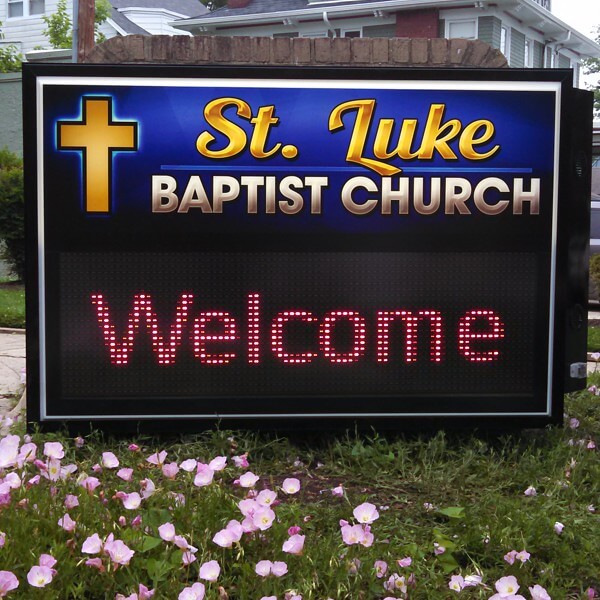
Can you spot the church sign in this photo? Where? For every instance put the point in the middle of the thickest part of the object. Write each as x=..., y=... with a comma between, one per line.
x=286, y=245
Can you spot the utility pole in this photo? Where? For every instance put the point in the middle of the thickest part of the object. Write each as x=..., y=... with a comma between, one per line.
x=83, y=28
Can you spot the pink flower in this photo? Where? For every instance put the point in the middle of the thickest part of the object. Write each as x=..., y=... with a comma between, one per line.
x=405, y=562
x=26, y=454
x=530, y=491
x=39, y=576
x=381, y=568
x=266, y=498
x=539, y=593
x=353, y=534
x=279, y=568
x=396, y=582
x=2, y=539
x=125, y=474
x=96, y=563
x=92, y=545
x=291, y=485
x=133, y=448
x=338, y=491
x=509, y=557
x=523, y=556
x=8, y=582
x=226, y=537
x=189, y=465
x=218, y=463
x=147, y=488
x=54, y=450
x=118, y=552
x=170, y=470
x=204, y=475
x=365, y=513
x=157, y=458
x=109, y=460
x=507, y=587
x=89, y=483
x=574, y=423
x=248, y=479
x=558, y=527
x=67, y=523
x=263, y=518
x=263, y=568
x=437, y=549
x=241, y=462
x=187, y=558
x=456, y=583
x=195, y=592
x=210, y=570
x=294, y=545
x=294, y=529
x=167, y=532
x=9, y=452
x=71, y=501
x=132, y=501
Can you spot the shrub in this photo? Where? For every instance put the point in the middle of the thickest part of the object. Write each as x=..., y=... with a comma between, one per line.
x=12, y=223
x=595, y=271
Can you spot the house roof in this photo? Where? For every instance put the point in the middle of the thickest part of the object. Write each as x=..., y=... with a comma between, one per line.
x=263, y=12
x=188, y=8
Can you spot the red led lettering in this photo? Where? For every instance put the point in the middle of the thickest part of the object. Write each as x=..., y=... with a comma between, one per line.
x=142, y=309
x=469, y=330
x=253, y=328
x=410, y=322
x=359, y=338
x=277, y=336
x=200, y=337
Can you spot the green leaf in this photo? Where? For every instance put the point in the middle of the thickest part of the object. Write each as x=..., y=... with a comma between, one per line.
x=453, y=512
x=149, y=543
x=447, y=562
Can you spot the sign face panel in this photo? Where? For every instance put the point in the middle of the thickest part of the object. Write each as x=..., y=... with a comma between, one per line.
x=224, y=244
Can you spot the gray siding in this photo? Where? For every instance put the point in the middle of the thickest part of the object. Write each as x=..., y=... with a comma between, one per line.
x=517, y=48
x=489, y=30
x=384, y=31
x=11, y=132
x=563, y=62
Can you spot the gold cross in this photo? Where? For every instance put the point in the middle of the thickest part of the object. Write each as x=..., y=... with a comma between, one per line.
x=97, y=136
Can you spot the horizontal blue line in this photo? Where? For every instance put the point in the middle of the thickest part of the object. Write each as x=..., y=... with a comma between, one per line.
x=288, y=169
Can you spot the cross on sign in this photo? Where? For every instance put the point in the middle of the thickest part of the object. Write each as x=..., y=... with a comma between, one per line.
x=97, y=136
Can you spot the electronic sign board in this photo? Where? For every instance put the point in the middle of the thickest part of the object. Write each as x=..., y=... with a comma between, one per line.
x=296, y=245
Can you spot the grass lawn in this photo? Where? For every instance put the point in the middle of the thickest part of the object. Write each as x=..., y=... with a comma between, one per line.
x=209, y=510
x=12, y=304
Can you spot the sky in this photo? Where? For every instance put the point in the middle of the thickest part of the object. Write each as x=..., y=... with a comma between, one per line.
x=583, y=15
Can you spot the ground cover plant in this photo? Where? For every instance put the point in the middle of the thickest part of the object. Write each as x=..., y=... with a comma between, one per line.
x=12, y=303
x=251, y=516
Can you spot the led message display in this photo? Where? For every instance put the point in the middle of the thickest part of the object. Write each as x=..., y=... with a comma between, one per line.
x=282, y=243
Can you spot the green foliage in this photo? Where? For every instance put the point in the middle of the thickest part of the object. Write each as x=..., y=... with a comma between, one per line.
x=12, y=305
x=10, y=57
x=452, y=502
x=60, y=25
x=595, y=270
x=591, y=67
x=12, y=224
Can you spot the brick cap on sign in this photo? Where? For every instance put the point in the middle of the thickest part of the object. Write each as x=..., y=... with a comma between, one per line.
x=355, y=52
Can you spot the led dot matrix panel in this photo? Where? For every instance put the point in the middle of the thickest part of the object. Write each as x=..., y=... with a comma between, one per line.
x=285, y=245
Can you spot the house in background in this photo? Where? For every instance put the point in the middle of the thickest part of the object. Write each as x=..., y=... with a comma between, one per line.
x=525, y=31
x=22, y=24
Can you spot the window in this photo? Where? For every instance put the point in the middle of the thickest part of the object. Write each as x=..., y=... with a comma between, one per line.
x=351, y=33
x=318, y=34
x=25, y=8
x=528, y=53
x=466, y=29
x=505, y=42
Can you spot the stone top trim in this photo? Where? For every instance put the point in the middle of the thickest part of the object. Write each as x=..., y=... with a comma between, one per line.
x=355, y=52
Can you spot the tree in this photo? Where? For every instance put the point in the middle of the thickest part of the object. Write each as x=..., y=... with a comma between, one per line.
x=591, y=66
x=214, y=4
x=10, y=58
x=60, y=25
